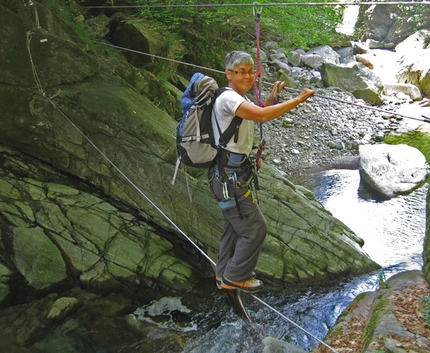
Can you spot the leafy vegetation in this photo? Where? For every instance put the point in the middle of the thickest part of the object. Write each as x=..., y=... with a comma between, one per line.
x=418, y=15
x=297, y=26
x=382, y=280
x=415, y=138
x=426, y=310
x=414, y=17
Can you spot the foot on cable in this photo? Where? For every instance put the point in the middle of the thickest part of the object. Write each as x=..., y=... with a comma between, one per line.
x=250, y=286
x=218, y=280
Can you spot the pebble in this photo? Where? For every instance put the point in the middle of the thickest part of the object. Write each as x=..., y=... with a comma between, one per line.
x=319, y=131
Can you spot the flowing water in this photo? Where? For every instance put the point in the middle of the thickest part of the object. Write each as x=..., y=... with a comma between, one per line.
x=393, y=232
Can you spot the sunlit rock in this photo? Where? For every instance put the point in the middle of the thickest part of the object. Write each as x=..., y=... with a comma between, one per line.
x=390, y=170
x=355, y=78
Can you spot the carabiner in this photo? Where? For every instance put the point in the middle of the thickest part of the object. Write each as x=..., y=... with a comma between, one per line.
x=256, y=12
x=234, y=180
x=225, y=191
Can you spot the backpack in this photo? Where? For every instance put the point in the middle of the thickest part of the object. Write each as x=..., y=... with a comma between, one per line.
x=194, y=134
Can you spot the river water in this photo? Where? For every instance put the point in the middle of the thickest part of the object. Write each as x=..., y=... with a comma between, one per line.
x=393, y=232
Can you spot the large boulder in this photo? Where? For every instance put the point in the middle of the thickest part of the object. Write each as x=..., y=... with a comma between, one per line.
x=22, y=47
x=389, y=23
x=60, y=233
x=5, y=274
x=317, y=56
x=414, y=61
x=390, y=170
x=355, y=78
x=403, y=89
x=385, y=320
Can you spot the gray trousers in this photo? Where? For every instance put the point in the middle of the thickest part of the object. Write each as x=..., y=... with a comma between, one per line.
x=242, y=239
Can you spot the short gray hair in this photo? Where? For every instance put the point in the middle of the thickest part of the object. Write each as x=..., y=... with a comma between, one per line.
x=236, y=58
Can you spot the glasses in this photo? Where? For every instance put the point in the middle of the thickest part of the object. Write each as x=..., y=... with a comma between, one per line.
x=243, y=73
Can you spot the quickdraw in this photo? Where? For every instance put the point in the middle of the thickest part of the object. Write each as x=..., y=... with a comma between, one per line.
x=262, y=145
x=257, y=88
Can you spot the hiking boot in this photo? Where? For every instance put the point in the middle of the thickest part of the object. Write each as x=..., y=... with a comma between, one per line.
x=250, y=286
x=218, y=282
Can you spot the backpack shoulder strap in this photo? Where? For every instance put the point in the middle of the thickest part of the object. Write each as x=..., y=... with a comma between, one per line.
x=233, y=128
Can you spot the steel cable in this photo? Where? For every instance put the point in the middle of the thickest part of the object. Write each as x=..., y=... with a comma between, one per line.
x=411, y=3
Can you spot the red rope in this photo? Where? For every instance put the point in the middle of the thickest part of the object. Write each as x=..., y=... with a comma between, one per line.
x=258, y=75
x=262, y=145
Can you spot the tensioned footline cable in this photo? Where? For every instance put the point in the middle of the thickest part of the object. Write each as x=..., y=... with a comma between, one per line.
x=176, y=227
x=131, y=183
x=153, y=204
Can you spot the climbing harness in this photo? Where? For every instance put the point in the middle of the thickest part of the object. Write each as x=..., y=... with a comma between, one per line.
x=237, y=175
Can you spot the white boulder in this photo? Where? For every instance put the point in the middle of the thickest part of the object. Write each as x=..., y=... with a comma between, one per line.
x=390, y=170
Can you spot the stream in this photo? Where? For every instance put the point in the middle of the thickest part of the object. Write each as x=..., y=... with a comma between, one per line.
x=393, y=232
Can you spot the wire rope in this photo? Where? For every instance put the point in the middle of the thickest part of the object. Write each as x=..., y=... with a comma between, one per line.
x=425, y=119
x=389, y=112
x=411, y=3
x=292, y=322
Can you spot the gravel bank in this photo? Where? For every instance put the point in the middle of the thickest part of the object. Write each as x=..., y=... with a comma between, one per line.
x=323, y=133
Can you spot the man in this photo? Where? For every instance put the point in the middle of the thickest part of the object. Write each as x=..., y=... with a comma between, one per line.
x=244, y=224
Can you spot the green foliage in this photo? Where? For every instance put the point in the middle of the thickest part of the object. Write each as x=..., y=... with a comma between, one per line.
x=171, y=16
x=426, y=310
x=418, y=15
x=382, y=280
x=67, y=99
x=297, y=26
x=304, y=26
x=415, y=138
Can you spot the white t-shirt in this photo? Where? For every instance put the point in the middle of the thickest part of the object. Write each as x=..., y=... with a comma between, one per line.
x=224, y=111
